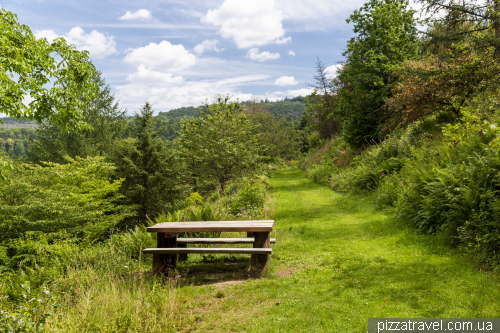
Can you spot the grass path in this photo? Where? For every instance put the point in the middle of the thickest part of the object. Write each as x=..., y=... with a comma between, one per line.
x=338, y=262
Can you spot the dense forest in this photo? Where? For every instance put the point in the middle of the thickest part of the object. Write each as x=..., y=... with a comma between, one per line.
x=410, y=122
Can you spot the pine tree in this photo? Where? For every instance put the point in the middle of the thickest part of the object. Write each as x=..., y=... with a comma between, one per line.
x=149, y=167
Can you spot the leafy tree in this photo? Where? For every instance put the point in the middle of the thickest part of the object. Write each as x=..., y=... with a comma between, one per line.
x=150, y=168
x=473, y=22
x=220, y=145
x=430, y=85
x=76, y=198
x=386, y=35
x=108, y=124
x=277, y=136
x=28, y=64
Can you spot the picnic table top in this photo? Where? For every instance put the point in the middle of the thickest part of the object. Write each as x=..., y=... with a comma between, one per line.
x=208, y=226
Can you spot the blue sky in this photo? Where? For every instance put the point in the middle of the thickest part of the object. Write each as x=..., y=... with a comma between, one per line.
x=179, y=53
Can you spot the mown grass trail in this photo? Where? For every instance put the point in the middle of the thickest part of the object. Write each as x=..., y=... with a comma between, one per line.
x=338, y=262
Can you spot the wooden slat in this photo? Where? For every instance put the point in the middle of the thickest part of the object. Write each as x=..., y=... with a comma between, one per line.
x=208, y=250
x=211, y=226
x=218, y=240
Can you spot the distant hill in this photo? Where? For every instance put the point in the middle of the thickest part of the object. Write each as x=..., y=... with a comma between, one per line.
x=292, y=109
x=18, y=123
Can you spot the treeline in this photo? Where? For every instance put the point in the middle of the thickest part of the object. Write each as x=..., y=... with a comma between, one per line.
x=411, y=119
x=15, y=141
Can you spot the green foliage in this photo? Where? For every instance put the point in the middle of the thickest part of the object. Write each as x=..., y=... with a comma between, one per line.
x=28, y=64
x=194, y=199
x=277, y=136
x=386, y=35
x=246, y=197
x=76, y=198
x=107, y=123
x=219, y=146
x=150, y=169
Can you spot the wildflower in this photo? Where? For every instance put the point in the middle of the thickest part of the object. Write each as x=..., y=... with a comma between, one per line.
x=183, y=218
x=401, y=182
x=194, y=202
x=217, y=189
x=492, y=126
x=20, y=265
x=383, y=174
x=147, y=217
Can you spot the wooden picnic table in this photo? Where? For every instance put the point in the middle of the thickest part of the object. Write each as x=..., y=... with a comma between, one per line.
x=166, y=254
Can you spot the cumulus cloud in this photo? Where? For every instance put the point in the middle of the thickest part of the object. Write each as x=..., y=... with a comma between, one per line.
x=283, y=40
x=149, y=77
x=332, y=70
x=163, y=57
x=318, y=14
x=248, y=23
x=50, y=35
x=98, y=44
x=262, y=56
x=285, y=81
x=207, y=45
x=141, y=14
x=169, y=95
x=291, y=53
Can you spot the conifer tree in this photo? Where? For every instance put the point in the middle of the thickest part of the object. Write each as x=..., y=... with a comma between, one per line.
x=149, y=167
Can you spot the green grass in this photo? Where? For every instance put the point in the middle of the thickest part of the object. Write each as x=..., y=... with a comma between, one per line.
x=336, y=262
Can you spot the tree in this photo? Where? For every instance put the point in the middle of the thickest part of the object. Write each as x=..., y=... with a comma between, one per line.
x=320, y=105
x=76, y=198
x=475, y=22
x=430, y=85
x=220, y=145
x=277, y=137
x=386, y=35
x=150, y=168
x=28, y=65
x=108, y=124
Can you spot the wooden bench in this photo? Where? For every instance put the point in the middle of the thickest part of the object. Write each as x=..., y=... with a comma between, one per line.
x=185, y=241
x=165, y=256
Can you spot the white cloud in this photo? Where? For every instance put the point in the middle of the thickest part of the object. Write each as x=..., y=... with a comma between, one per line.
x=283, y=40
x=317, y=15
x=263, y=56
x=50, y=35
x=169, y=95
x=248, y=23
x=98, y=44
x=149, y=77
x=332, y=70
x=163, y=57
x=207, y=45
x=285, y=81
x=275, y=95
x=291, y=53
x=141, y=14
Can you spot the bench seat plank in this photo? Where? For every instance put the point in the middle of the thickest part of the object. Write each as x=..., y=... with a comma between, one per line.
x=210, y=226
x=219, y=240
x=209, y=250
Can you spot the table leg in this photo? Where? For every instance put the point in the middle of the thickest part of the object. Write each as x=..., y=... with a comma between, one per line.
x=259, y=261
x=182, y=256
x=163, y=263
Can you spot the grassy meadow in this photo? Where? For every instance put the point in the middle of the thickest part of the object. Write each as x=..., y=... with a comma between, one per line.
x=336, y=262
